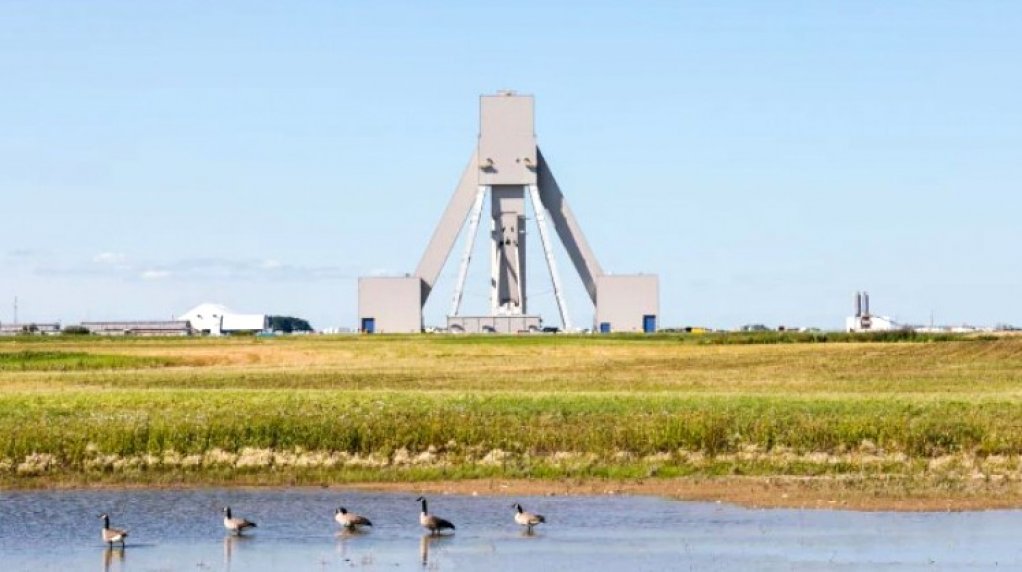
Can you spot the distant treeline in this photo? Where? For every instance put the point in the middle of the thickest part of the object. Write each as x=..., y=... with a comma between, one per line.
x=288, y=324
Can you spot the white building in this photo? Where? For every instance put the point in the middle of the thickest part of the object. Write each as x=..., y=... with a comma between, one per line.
x=864, y=321
x=871, y=323
x=217, y=320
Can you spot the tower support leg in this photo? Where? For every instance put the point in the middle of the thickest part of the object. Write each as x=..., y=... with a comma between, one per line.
x=537, y=207
x=473, y=225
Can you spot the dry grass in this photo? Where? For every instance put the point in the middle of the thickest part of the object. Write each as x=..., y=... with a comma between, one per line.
x=960, y=370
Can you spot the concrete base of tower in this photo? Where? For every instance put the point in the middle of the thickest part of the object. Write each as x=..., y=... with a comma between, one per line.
x=627, y=303
x=493, y=324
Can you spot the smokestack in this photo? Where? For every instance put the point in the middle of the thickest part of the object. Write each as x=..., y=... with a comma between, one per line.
x=858, y=304
x=865, y=303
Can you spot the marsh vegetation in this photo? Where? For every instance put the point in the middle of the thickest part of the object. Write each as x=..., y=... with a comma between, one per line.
x=351, y=409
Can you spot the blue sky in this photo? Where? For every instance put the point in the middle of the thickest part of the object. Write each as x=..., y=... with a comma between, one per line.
x=765, y=159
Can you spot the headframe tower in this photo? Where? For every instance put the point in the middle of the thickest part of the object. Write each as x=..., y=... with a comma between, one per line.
x=507, y=166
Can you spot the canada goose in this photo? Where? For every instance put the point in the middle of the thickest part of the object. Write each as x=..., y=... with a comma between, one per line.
x=527, y=519
x=236, y=525
x=112, y=535
x=350, y=520
x=433, y=524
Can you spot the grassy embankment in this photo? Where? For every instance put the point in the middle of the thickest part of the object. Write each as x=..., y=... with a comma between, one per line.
x=922, y=415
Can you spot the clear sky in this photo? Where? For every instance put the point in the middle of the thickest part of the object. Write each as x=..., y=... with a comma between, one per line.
x=766, y=159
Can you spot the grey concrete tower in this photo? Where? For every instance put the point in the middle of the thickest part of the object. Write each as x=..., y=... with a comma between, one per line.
x=508, y=166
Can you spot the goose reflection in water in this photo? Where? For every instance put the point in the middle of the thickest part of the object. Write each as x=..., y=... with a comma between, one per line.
x=345, y=533
x=343, y=536
x=110, y=555
x=425, y=542
x=231, y=543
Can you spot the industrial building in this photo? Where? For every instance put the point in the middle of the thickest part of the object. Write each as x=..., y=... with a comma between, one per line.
x=204, y=319
x=217, y=320
x=45, y=329
x=139, y=328
x=865, y=321
x=627, y=303
x=508, y=166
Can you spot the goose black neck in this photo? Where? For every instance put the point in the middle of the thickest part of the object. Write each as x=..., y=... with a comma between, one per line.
x=424, y=506
x=106, y=521
x=518, y=507
x=227, y=512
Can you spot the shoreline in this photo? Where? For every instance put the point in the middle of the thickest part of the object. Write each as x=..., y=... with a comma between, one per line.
x=780, y=492
x=814, y=493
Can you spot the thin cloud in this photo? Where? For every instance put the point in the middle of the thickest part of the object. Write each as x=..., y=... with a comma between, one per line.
x=24, y=253
x=155, y=274
x=383, y=272
x=110, y=258
x=24, y=257
x=119, y=265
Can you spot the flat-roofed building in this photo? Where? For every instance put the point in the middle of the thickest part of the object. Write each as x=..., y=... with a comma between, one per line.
x=139, y=328
x=627, y=303
x=37, y=328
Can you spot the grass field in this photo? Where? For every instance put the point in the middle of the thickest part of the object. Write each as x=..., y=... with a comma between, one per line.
x=941, y=413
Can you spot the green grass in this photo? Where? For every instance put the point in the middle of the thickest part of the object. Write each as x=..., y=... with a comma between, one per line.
x=414, y=407
x=131, y=423
x=464, y=428
x=27, y=360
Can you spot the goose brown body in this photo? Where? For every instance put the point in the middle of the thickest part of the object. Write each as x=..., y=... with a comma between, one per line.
x=350, y=519
x=234, y=524
x=527, y=519
x=434, y=524
x=111, y=535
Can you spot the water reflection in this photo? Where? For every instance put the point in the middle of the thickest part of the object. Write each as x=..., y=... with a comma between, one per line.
x=346, y=533
x=529, y=533
x=344, y=537
x=231, y=543
x=661, y=535
x=111, y=555
x=434, y=541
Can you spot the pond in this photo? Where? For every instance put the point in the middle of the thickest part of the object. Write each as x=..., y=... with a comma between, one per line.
x=182, y=530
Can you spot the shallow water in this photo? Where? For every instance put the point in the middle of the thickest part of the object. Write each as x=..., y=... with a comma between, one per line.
x=182, y=530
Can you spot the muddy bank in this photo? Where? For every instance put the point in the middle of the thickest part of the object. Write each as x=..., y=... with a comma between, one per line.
x=833, y=493
x=900, y=494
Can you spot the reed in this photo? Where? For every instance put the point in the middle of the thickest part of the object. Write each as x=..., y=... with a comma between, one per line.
x=75, y=431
